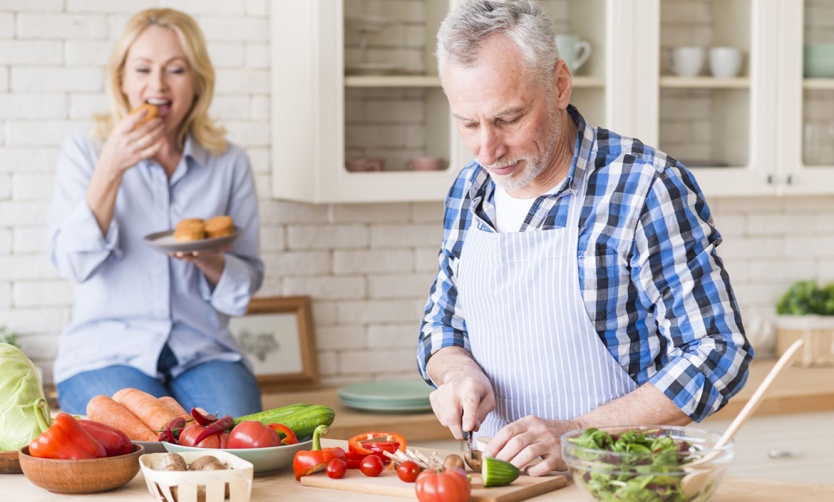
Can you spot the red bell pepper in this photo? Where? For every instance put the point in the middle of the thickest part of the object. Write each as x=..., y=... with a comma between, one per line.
x=376, y=442
x=114, y=441
x=307, y=462
x=66, y=439
x=289, y=436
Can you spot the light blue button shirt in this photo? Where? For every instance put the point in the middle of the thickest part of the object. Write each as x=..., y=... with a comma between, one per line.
x=131, y=299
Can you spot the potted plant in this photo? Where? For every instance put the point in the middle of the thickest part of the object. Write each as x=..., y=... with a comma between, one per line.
x=9, y=337
x=806, y=311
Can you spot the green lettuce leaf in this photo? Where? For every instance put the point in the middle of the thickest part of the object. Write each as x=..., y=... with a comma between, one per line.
x=23, y=411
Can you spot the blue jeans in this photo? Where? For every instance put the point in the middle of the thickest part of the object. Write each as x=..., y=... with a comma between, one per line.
x=221, y=387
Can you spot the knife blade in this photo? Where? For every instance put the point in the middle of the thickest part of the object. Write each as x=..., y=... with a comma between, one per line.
x=469, y=438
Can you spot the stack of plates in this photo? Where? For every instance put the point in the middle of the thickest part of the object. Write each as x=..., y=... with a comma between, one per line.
x=819, y=60
x=387, y=397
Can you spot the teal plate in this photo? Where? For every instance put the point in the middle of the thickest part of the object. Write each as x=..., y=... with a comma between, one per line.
x=391, y=396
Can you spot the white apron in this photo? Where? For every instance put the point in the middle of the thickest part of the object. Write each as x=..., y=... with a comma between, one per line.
x=528, y=326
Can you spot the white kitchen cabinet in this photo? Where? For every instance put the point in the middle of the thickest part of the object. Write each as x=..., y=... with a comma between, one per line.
x=768, y=131
x=743, y=135
x=336, y=99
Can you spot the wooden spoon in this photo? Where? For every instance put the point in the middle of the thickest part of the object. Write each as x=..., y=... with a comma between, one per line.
x=699, y=475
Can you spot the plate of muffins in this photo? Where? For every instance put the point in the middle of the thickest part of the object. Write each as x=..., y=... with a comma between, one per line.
x=195, y=234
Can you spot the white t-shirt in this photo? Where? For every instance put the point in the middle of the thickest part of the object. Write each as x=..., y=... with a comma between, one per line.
x=511, y=212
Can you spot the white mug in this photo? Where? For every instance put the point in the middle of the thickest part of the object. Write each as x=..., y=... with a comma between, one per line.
x=687, y=61
x=572, y=51
x=724, y=62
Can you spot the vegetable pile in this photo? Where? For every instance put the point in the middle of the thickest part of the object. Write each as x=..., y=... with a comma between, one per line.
x=642, y=466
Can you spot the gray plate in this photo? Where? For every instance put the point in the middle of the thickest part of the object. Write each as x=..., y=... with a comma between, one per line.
x=164, y=242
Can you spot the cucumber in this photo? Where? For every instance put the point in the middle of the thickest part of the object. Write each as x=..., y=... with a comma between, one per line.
x=497, y=472
x=301, y=418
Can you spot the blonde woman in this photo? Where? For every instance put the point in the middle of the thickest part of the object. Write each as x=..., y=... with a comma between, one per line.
x=144, y=319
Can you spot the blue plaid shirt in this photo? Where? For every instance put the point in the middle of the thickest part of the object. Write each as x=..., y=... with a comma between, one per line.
x=654, y=286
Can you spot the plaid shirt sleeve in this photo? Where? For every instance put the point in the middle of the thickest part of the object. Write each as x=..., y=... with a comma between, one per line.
x=443, y=322
x=678, y=273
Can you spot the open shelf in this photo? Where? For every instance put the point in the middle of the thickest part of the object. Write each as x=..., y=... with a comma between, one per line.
x=704, y=82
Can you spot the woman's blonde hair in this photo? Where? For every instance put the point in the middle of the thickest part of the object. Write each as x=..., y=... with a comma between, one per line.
x=197, y=121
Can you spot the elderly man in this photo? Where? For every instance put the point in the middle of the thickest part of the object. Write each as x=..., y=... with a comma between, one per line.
x=579, y=283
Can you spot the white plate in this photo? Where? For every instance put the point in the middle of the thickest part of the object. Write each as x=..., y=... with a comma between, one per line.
x=164, y=242
x=264, y=459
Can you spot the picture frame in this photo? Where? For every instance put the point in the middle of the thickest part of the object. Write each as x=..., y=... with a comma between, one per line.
x=277, y=337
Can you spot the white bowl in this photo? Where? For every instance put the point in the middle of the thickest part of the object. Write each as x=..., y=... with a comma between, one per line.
x=263, y=459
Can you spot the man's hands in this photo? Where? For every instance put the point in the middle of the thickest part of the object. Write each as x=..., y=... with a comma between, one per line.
x=528, y=439
x=463, y=397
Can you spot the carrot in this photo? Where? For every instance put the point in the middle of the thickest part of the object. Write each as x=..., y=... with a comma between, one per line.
x=146, y=407
x=174, y=407
x=104, y=410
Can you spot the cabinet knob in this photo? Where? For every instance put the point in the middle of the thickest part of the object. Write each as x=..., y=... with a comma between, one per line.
x=789, y=179
x=769, y=179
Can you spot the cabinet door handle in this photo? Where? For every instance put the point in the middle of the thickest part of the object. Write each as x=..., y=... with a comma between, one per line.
x=769, y=179
x=789, y=179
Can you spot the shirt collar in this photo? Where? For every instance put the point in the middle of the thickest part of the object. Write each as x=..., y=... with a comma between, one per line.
x=194, y=150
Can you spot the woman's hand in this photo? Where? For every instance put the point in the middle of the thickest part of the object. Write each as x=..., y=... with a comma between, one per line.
x=130, y=143
x=529, y=439
x=126, y=145
x=210, y=262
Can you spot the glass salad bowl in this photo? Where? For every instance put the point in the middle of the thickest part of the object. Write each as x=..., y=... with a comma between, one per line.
x=646, y=463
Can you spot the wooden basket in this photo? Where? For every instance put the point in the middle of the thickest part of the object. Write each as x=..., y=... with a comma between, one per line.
x=238, y=477
x=818, y=333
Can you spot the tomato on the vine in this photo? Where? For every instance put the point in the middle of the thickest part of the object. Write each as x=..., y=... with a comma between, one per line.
x=408, y=471
x=371, y=466
x=336, y=468
x=444, y=486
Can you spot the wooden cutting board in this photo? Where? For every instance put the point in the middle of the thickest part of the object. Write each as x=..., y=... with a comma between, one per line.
x=389, y=485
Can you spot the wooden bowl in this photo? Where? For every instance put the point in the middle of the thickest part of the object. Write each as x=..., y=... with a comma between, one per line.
x=9, y=464
x=81, y=476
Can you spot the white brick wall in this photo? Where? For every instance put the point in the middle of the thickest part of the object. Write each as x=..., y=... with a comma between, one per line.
x=368, y=267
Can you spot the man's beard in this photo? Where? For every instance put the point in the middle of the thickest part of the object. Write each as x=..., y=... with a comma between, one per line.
x=534, y=165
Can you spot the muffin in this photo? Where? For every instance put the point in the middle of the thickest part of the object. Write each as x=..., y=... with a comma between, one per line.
x=190, y=229
x=219, y=226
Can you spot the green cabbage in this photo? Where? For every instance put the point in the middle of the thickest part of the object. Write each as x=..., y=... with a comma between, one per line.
x=23, y=411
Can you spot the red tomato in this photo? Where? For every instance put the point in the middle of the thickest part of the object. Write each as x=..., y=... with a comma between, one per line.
x=370, y=442
x=251, y=434
x=371, y=466
x=190, y=433
x=444, y=486
x=408, y=471
x=336, y=468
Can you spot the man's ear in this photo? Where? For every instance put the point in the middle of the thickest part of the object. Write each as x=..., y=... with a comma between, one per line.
x=563, y=83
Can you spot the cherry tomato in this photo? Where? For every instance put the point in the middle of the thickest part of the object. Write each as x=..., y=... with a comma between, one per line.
x=408, y=471
x=371, y=466
x=336, y=468
x=444, y=486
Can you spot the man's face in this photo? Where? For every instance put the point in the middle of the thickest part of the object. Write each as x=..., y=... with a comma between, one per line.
x=510, y=122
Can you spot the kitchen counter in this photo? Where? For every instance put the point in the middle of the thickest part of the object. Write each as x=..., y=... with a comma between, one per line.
x=797, y=390
x=17, y=487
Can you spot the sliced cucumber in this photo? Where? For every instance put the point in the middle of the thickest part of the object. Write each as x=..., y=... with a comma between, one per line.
x=497, y=472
